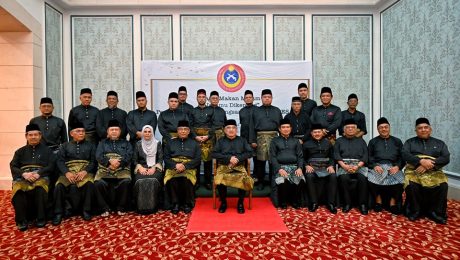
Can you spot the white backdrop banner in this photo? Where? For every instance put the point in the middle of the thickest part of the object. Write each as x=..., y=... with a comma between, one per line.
x=229, y=78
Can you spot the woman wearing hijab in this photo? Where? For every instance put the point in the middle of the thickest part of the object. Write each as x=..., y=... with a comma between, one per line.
x=148, y=177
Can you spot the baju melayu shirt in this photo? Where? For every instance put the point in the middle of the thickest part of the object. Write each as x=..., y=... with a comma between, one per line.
x=167, y=121
x=73, y=150
x=121, y=147
x=284, y=151
x=318, y=149
x=219, y=117
x=202, y=117
x=385, y=151
x=329, y=117
x=137, y=119
x=226, y=148
x=351, y=148
x=300, y=124
x=359, y=118
x=187, y=148
x=432, y=147
x=53, y=130
x=40, y=155
x=308, y=105
x=87, y=115
x=245, y=115
x=107, y=114
x=185, y=107
x=264, y=118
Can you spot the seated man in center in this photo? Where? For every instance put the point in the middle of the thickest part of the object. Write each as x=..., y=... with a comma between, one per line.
x=182, y=156
x=231, y=152
x=286, y=157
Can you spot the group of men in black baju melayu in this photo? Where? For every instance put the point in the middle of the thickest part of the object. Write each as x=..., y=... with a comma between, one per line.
x=95, y=172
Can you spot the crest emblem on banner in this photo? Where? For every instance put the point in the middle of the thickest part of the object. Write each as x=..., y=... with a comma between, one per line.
x=231, y=77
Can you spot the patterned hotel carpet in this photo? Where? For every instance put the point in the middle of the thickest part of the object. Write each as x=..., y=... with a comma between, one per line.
x=317, y=235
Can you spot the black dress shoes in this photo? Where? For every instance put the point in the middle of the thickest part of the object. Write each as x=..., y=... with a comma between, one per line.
x=395, y=210
x=346, y=208
x=240, y=208
x=187, y=209
x=283, y=205
x=363, y=209
x=208, y=186
x=313, y=207
x=22, y=226
x=437, y=218
x=57, y=219
x=378, y=207
x=175, y=209
x=86, y=216
x=413, y=216
x=332, y=208
x=40, y=223
x=223, y=207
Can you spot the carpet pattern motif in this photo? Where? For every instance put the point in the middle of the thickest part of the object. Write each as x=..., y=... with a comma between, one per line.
x=318, y=235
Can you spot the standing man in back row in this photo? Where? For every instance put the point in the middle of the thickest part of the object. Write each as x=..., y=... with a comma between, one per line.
x=307, y=103
x=109, y=113
x=327, y=115
x=183, y=105
x=86, y=114
x=354, y=114
x=140, y=117
x=263, y=128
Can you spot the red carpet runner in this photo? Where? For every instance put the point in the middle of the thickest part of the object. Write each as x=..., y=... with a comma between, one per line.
x=318, y=235
x=263, y=217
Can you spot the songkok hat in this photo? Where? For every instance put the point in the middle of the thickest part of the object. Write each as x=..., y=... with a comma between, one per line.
x=316, y=127
x=230, y=122
x=266, y=92
x=46, y=100
x=421, y=120
x=112, y=93
x=302, y=85
x=32, y=127
x=326, y=90
x=201, y=91
x=85, y=91
x=296, y=99
x=113, y=123
x=75, y=125
x=285, y=121
x=248, y=92
x=140, y=94
x=173, y=95
x=183, y=123
x=352, y=95
x=349, y=121
x=382, y=120
x=214, y=93
x=182, y=88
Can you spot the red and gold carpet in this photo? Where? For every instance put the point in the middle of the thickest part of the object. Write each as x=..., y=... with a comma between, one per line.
x=317, y=235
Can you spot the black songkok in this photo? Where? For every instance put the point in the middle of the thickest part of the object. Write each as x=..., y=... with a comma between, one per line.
x=182, y=88
x=248, y=92
x=201, y=91
x=316, y=127
x=173, y=95
x=285, y=121
x=32, y=127
x=382, y=120
x=46, y=100
x=326, y=90
x=302, y=85
x=113, y=123
x=140, y=94
x=296, y=99
x=183, y=123
x=75, y=125
x=230, y=122
x=422, y=120
x=112, y=93
x=214, y=93
x=266, y=92
x=85, y=91
x=349, y=121
x=352, y=95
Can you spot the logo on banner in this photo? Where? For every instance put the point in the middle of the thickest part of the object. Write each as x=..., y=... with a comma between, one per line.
x=231, y=77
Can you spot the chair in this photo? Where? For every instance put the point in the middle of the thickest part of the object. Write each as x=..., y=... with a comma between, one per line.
x=214, y=186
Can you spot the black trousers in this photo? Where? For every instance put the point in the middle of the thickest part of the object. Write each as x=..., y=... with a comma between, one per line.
x=180, y=191
x=30, y=205
x=316, y=187
x=112, y=194
x=345, y=184
x=423, y=199
x=78, y=198
x=207, y=170
x=290, y=193
x=259, y=170
x=386, y=192
x=223, y=193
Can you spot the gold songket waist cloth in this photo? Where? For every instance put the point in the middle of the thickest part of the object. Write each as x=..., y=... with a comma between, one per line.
x=105, y=172
x=74, y=167
x=206, y=147
x=25, y=185
x=430, y=178
x=236, y=177
x=219, y=133
x=190, y=174
x=263, y=144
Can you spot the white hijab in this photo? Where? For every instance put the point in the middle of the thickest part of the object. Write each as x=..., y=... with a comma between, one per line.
x=149, y=147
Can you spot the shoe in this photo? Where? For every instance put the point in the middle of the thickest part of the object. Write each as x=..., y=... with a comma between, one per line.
x=57, y=219
x=313, y=207
x=283, y=206
x=208, y=186
x=40, y=223
x=240, y=208
x=296, y=205
x=175, y=209
x=223, y=207
x=260, y=186
x=332, y=208
x=378, y=207
x=105, y=214
x=363, y=209
x=187, y=209
x=346, y=208
x=436, y=218
x=395, y=210
x=86, y=216
x=414, y=216
x=22, y=226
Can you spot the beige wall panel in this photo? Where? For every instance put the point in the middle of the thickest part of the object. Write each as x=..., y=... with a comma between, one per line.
x=13, y=77
x=16, y=54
